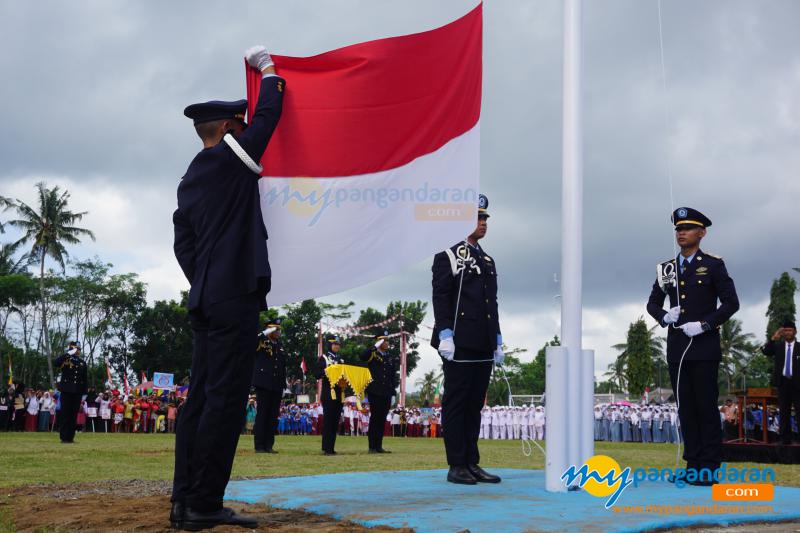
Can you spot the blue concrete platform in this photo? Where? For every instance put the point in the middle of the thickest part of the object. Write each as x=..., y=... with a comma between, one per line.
x=423, y=500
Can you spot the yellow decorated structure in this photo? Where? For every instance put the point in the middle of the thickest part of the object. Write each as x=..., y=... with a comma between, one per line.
x=356, y=377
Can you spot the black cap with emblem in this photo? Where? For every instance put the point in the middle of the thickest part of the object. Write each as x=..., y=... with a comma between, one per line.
x=688, y=218
x=483, y=206
x=216, y=110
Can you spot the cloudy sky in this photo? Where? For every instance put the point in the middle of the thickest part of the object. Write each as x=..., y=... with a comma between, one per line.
x=93, y=93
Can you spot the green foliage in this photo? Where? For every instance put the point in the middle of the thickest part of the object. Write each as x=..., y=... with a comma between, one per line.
x=48, y=229
x=523, y=378
x=781, y=303
x=162, y=341
x=427, y=388
x=300, y=335
x=639, y=359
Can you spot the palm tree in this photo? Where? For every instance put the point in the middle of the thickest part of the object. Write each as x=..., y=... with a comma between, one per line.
x=427, y=385
x=616, y=371
x=736, y=349
x=48, y=228
x=656, y=343
x=9, y=265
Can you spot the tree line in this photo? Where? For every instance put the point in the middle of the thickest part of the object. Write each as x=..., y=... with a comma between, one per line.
x=48, y=298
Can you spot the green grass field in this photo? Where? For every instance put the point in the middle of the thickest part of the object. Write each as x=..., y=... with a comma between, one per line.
x=33, y=458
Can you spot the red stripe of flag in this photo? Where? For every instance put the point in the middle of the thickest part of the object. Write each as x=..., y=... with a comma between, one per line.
x=375, y=106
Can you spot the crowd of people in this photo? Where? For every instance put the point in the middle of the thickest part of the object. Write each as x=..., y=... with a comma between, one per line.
x=25, y=409
x=294, y=419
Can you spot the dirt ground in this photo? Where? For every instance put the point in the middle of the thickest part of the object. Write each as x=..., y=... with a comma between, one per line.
x=140, y=506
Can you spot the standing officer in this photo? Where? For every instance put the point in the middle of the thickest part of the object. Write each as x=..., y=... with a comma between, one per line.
x=269, y=379
x=694, y=281
x=73, y=387
x=382, y=366
x=467, y=335
x=221, y=246
x=785, y=375
x=331, y=407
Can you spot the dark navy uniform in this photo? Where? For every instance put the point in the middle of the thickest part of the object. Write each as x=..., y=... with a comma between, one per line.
x=383, y=369
x=472, y=320
x=269, y=380
x=221, y=246
x=72, y=387
x=331, y=407
x=695, y=287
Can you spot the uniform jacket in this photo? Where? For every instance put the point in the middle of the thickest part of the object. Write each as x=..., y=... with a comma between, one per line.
x=220, y=238
x=322, y=363
x=473, y=316
x=73, y=374
x=269, y=372
x=704, y=282
x=383, y=369
x=777, y=350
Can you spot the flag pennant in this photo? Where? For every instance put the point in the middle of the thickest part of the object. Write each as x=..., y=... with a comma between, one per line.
x=375, y=161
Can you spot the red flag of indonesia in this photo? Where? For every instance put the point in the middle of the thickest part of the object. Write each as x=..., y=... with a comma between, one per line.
x=374, y=165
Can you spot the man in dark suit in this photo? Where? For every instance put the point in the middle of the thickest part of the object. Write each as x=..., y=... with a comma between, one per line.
x=269, y=380
x=331, y=403
x=383, y=368
x=785, y=375
x=220, y=244
x=72, y=388
x=694, y=281
x=467, y=335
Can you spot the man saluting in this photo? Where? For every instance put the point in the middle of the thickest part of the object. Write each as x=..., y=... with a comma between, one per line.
x=694, y=281
x=380, y=390
x=221, y=245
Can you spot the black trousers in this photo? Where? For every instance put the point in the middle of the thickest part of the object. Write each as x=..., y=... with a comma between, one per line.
x=378, y=409
x=68, y=414
x=332, y=411
x=269, y=405
x=788, y=395
x=698, y=412
x=465, y=386
x=225, y=341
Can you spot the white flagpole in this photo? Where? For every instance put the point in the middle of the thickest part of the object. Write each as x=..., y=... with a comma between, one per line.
x=567, y=365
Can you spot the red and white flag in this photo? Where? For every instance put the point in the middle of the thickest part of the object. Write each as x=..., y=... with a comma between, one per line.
x=303, y=366
x=374, y=165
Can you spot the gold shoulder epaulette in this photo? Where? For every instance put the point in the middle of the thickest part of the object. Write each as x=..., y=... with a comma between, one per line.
x=715, y=256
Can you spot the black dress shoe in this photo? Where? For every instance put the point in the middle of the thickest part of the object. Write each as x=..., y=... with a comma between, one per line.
x=197, y=521
x=481, y=475
x=270, y=450
x=460, y=475
x=261, y=450
x=176, y=515
x=373, y=450
x=381, y=450
x=328, y=453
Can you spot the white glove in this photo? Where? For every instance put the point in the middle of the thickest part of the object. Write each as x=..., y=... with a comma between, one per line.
x=73, y=351
x=447, y=348
x=672, y=315
x=258, y=57
x=692, y=328
x=499, y=356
